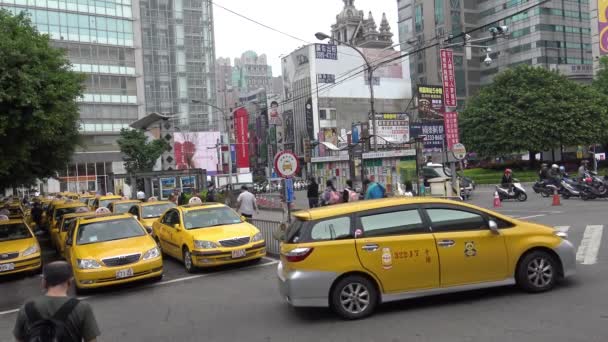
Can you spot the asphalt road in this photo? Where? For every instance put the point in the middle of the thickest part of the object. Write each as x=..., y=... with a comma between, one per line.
x=242, y=303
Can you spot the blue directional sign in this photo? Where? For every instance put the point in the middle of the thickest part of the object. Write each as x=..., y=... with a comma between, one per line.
x=289, y=190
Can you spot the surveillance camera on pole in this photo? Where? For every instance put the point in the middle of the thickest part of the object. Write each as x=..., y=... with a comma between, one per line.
x=488, y=60
x=498, y=31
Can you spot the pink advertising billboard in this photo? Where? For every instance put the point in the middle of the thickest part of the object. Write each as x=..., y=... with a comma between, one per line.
x=196, y=150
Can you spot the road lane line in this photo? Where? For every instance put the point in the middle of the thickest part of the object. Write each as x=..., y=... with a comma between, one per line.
x=590, y=245
x=531, y=216
x=177, y=280
x=563, y=229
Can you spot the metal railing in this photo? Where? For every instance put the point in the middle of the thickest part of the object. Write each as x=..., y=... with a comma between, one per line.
x=266, y=227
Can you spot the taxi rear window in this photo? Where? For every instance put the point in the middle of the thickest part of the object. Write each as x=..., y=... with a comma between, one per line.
x=14, y=231
x=60, y=212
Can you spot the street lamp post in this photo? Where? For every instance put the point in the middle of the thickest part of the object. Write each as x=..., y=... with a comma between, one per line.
x=227, y=130
x=370, y=78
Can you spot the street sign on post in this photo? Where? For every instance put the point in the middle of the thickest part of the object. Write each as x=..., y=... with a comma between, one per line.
x=289, y=190
x=459, y=151
x=286, y=164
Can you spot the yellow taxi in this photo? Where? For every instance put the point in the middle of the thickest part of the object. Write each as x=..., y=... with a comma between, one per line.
x=15, y=210
x=355, y=256
x=206, y=235
x=19, y=249
x=111, y=249
x=64, y=226
x=84, y=198
x=103, y=201
x=148, y=212
x=68, y=207
x=122, y=206
x=48, y=213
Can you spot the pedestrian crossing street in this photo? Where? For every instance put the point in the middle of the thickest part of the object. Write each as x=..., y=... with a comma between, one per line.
x=587, y=240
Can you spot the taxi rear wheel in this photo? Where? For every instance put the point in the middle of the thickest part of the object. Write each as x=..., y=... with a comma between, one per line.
x=537, y=272
x=354, y=297
x=188, y=263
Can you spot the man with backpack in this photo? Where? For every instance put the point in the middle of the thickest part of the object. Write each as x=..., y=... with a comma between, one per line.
x=349, y=194
x=374, y=190
x=55, y=317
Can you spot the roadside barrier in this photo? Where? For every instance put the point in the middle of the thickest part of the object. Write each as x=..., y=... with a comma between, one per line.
x=267, y=228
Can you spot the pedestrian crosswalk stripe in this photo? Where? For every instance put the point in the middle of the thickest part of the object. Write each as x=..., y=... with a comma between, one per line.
x=563, y=229
x=590, y=245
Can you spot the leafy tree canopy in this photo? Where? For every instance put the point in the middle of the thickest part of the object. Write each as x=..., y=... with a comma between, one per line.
x=532, y=109
x=140, y=155
x=38, y=110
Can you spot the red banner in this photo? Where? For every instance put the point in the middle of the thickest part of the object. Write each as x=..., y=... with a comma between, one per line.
x=241, y=130
x=449, y=80
x=451, y=128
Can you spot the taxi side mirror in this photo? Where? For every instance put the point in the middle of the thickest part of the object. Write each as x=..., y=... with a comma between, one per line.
x=243, y=219
x=493, y=227
x=176, y=226
x=279, y=234
x=149, y=230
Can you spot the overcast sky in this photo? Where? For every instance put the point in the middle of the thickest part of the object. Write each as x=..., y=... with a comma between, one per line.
x=300, y=18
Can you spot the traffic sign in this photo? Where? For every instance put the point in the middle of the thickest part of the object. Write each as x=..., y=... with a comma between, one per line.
x=289, y=190
x=459, y=151
x=286, y=164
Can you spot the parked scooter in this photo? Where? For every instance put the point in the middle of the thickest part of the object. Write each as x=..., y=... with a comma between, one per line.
x=541, y=188
x=518, y=193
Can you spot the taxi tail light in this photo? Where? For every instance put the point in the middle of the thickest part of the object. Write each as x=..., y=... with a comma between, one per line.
x=298, y=254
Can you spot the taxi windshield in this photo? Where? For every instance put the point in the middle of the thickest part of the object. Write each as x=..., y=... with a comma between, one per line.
x=104, y=203
x=60, y=212
x=84, y=199
x=14, y=231
x=121, y=208
x=151, y=211
x=15, y=211
x=210, y=217
x=108, y=231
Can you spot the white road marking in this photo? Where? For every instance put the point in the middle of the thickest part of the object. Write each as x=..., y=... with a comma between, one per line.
x=531, y=216
x=172, y=281
x=590, y=245
x=563, y=229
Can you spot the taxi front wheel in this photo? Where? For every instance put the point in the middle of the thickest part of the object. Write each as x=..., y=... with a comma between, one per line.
x=354, y=297
x=537, y=272
x=188, y=263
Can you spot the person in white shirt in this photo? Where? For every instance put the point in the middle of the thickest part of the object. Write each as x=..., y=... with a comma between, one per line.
x=141, y=196
x=246, y=203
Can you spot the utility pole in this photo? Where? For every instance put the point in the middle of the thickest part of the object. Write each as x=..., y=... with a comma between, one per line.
x=370, y=79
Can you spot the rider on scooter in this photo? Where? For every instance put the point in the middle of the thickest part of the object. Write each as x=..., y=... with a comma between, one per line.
x=507, y=181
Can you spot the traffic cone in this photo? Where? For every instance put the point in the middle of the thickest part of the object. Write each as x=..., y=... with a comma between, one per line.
x=497, y=203
x=556, y=199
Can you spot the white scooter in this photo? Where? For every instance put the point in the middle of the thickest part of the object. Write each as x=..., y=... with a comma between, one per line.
x=519, y=193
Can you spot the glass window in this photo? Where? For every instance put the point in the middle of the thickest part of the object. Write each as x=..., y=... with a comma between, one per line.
x=109, y=230
x=455, y=220
x=151, y=211
x=15, y=231
x=333, y=229
x=393, y=223
x=211, y=217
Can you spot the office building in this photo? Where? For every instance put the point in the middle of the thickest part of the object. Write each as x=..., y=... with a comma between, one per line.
x=101, y=39
x=251, y=72
x=179, y=61
x=555, y=35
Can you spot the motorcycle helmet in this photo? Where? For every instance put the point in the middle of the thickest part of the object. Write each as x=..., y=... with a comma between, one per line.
x=562, y=168
x=554, y=166
x=508, y=171
x=588, y=180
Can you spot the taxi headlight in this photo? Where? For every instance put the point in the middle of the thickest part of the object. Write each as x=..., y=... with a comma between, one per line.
x=200, y=244
x=87, y=264
x=152, y=254
x=30, y=250
x=257, y=237
x=562, y=235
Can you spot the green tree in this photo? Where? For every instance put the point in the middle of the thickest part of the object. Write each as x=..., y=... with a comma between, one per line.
x=39, y=117
x=532, y=109
x=600, y=83
x=140, y=155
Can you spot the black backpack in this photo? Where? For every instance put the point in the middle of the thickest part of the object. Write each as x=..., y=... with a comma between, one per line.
x=51, y=329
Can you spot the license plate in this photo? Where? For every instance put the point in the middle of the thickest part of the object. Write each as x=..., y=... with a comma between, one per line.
x=238, y=253
x=124, y=273
x=7, y=267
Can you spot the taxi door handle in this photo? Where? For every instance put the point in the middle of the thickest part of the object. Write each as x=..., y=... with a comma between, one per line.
x=446, y=243
x=370, y=247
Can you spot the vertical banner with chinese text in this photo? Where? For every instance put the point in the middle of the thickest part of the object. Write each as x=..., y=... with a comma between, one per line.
x=448, y=78
x=451, y=129
x=241, y=128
